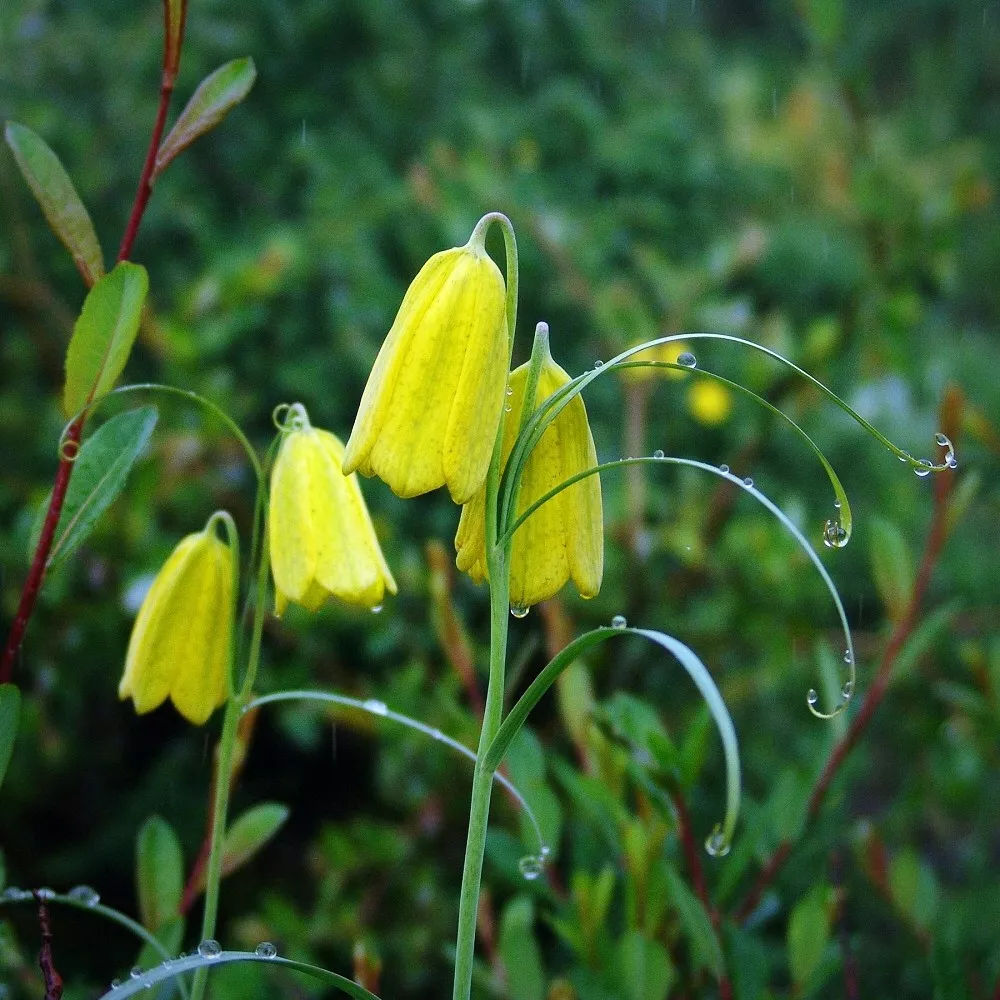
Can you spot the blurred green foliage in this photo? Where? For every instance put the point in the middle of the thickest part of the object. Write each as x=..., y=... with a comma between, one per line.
x=819, y=176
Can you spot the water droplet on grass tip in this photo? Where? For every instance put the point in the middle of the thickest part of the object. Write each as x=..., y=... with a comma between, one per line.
x=519, y=612
x=716, y=844
x=687, y=359
x=923, y=468
x=210, y=948
x=834, y=534
x=84, y=894
x=812, y=697
x=619, y=621
x=848, y=656
x=942, y=439
x=376, y=707
x=847, y=690
x=265, y=950
x=530, y=867
x=659, y=453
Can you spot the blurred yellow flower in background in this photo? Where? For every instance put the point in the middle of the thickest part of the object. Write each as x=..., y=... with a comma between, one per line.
x=668, y=353
x=322, y=541
x=430, y=411
x=564, y=538
x=181, y=639
x=710, y=402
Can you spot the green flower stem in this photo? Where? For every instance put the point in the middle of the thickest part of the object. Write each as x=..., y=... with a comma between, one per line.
x=482, y=782
x=497, y=564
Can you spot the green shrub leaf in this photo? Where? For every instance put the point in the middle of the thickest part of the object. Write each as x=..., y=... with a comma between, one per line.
x=250, y=832
x=103, y=335
x=808, y=934
x=62, y=206
x=159, y=873
x=10, y=711
x=519, y=951
x=214, y=98
x=99, y=475
x=643, y=968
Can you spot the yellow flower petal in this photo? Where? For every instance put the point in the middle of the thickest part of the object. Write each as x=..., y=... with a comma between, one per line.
x=180, y=642
x=564, y=538
x=322, y=540
x=430, y=410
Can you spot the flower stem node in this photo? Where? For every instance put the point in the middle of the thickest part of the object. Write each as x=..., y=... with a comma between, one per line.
x=180, y=644
x=564, y=538
x=430, y=411
x=322, y=540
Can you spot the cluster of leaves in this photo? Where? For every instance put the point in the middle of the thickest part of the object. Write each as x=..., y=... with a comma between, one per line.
x=820, y=177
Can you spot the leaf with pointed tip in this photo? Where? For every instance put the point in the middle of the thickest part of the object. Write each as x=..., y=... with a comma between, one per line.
x=54, y=191
x=214, y=98
x=103, y=335
x=175, y=28
x=10, y=710
x=159, y=872
x=99, y=475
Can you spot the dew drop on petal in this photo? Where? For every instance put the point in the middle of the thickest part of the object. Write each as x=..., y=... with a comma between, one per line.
x=265, y=950
x=210, y=948
x=519, y=612
x=687, y=359
x=619, y=621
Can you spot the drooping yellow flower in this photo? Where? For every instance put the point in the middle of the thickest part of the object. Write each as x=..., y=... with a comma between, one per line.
x=322, y=540
x=181, y=637
x=564, y=539
x=709, y=402
x=430, y=411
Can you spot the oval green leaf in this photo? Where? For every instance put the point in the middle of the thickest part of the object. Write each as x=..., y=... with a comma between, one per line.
x=214, y=98
x=10, y=711
x=58, y=199
x=99, y=475
x=159, y=872
x=250, y=832
x=103, y=336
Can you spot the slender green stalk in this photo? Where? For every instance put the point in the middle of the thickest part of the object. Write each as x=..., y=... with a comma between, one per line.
x=497, y=564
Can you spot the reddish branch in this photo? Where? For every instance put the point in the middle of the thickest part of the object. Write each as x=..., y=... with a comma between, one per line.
x=950, y=420
x=52, y=979
x=36, y=574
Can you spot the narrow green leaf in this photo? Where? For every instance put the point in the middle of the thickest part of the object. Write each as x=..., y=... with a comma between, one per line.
x=643, y=968
x=10, y=711
x=99, y=475
x=706, y=952
x=175, y=25
x=159, y=872
x=62, y=206
x=892, y=567
x=808, y=934
x=914, y=888
x=519, y=950
x=250, y=832
x=103, y=335
x=214, y=98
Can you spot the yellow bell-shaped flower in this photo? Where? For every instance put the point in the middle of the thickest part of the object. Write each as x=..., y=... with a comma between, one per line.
x=322, y=540
x=564, y=539
x=180, y=642
x=430, y=411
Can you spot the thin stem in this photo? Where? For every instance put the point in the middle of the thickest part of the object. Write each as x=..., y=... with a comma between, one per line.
x=936, y=536
x=220, y=808
x=171, y=61
x=36, y=574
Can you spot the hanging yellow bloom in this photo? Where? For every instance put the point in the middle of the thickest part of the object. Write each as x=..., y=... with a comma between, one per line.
x=181, y=638
x=564, y=538
x=322, y=539
x=430, y=411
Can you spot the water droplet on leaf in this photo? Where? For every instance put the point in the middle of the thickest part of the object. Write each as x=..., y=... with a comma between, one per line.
x=716, y=844
x=812, y=697
x=724, y=469
x=659, y=453
x=136, y=972
x=265, y=950
x=598, y=363
x=847, y=690
x=923, y=469
x=619, y=621
x=210, y=948
x=747, y=481
x=834, y=534
x=687, y=359
x=530, y=867
x=85, y=894
x=376, y=707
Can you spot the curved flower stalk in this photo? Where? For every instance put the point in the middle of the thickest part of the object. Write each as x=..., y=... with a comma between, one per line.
x=321, y=537
x=565, y=540
x=430, y=411
x=181, y=644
